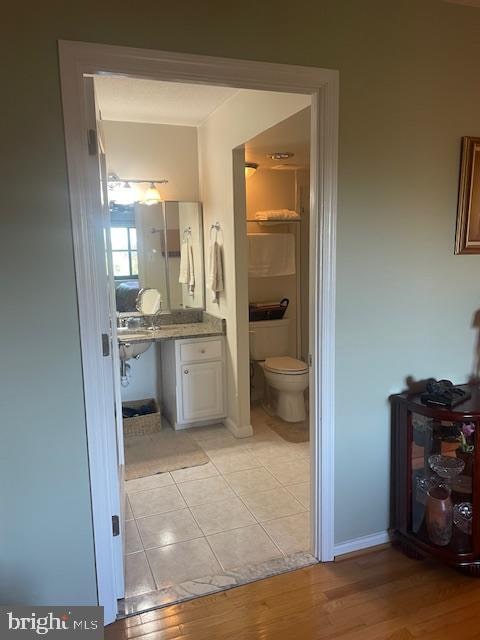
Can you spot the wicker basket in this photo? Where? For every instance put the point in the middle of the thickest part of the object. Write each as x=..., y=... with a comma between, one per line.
x=141, y=425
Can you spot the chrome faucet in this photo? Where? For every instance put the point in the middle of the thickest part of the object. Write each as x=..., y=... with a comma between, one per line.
x=130, y=322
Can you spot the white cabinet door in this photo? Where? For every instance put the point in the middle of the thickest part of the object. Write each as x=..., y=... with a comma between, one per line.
x=201, y=394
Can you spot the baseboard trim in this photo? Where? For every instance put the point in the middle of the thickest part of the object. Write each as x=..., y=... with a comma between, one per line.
x=235, y=430
x=363, y=542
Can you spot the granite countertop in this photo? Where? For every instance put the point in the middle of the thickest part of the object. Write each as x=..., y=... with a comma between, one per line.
x=209, y=326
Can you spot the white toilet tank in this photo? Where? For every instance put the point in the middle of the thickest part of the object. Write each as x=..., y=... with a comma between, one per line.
x=268, y=338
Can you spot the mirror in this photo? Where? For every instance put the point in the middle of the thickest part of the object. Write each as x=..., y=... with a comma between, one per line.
x=184, y=239
x=158, y=247
x=467, y=239
x=149, y=302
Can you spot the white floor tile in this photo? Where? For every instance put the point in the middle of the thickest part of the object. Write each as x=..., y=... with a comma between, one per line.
x=301, y=492
x=195, y=473
x=214, y=517
x=291, y=533
x=290, y=471
x=167, y=528
x=269, y=451
x=183, y=561
x=128, y=509
x=133, y=544
x=215, y=438
x=303, y=449
x=251, y=480
x=223, y=446
x=240, y=486
x=248, y=545
x=146, y=503
x=138, y=577
x=263, y=435
x=267, y=505
x=235, y=461
x=210, y=431
x=149, y=482
x=206, y=490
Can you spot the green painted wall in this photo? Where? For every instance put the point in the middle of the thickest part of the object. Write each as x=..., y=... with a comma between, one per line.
x=409, y=91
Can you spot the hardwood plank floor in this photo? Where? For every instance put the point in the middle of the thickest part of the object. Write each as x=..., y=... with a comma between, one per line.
x=376, y=596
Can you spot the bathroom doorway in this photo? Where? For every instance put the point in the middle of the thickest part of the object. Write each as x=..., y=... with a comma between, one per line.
x=206, y=502
x=277, y=208
x=83, y=176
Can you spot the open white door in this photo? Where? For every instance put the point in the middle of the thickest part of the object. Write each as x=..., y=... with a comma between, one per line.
x=109, y=553
x=120, y=451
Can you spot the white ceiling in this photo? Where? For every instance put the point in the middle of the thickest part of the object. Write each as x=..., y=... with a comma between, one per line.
x=292, y=134
x=134, y=100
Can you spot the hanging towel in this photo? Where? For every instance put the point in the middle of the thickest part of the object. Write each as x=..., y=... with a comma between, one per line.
x=187, y=269
x=271, y=254
x=191, y=269
x=215, y=270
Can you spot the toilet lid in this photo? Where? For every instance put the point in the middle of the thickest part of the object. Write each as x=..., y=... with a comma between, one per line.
x=285, y=364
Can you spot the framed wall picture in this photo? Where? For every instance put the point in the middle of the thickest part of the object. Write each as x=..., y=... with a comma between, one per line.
x=467, y=237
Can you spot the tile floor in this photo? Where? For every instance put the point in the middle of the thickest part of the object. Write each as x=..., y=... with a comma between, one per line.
x=249, y=504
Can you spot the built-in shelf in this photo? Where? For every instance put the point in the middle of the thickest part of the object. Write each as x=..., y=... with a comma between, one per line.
x=275, y=221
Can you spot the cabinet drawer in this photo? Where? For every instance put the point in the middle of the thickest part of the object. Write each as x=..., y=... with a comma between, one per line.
x=201, y=350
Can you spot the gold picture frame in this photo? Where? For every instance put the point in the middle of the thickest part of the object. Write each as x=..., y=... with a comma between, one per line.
x=467, y=236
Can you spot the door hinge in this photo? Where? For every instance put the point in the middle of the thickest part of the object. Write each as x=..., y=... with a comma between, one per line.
x=92, y=142
x=105, y=344
x=310, y=360
x=115, y=526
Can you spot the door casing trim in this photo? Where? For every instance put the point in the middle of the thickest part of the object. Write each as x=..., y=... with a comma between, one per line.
x=78, y=59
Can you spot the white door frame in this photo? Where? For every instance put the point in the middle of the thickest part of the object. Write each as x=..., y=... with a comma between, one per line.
x=78, y=59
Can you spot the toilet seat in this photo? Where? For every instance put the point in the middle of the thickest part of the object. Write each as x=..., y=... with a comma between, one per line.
x=286, y=365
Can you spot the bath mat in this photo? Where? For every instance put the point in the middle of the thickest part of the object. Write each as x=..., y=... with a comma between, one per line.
x=289, y=431
x=161, y=451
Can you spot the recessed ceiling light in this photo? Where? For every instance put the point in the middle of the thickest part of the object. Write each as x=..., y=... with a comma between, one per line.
x=280, y=155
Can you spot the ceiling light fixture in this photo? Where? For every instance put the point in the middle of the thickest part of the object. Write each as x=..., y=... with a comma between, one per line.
x=121, y=193
x=250, y=168
x=280, y=155
x=120, y=190
x=151, y=195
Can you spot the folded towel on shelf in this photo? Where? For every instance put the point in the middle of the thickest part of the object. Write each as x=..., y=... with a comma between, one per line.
x=215, y=270
x=271, y=254
x=187, y=269
x=277, y=214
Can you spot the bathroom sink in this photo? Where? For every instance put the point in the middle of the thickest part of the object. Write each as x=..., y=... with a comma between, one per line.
x=132, y=349
x=127, y=341
x=134, y=335
x=124, y=333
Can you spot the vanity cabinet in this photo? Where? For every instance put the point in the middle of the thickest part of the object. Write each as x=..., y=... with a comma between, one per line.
x=193, y=374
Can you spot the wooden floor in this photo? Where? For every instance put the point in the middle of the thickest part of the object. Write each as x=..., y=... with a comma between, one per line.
x=377, y=595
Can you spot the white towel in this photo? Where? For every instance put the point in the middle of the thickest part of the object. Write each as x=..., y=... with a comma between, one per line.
x=271, y=254
x=215, y=270
x=277, y=214
x=187, y=268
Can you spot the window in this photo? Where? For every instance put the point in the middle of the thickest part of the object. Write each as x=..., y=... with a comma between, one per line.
x=124, y=252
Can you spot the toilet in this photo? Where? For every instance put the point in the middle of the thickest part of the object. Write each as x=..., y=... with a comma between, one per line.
x=286, y=376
